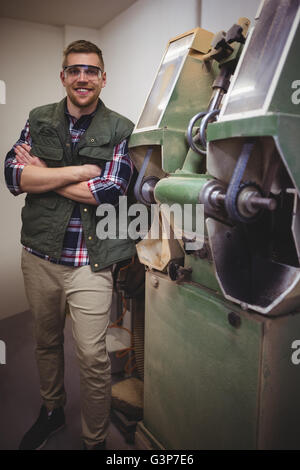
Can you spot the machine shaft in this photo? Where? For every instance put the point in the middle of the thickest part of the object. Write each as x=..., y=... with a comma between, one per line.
x=257, y=202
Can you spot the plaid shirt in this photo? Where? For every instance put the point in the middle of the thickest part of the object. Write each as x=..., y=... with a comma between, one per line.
x=106, y=188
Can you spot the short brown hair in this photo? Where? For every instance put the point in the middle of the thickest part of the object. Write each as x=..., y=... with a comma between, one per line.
x=82, y=46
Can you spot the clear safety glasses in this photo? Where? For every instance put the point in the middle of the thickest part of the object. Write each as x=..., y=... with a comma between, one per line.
x=91, y=72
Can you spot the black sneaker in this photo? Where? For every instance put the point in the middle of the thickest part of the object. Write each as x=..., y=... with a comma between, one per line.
x=43, y=428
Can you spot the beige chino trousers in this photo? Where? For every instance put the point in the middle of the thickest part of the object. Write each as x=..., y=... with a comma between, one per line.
x=48, y=288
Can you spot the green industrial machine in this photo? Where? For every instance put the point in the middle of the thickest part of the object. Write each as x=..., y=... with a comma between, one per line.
x=221, y=129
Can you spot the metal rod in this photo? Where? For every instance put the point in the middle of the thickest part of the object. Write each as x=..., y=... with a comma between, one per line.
x=255, y=201
x=263, y=203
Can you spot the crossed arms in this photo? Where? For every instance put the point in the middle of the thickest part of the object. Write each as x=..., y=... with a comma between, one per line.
x=70, y=181
x=82, y=183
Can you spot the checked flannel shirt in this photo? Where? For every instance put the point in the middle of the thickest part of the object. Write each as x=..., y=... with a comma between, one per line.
x=106, y=188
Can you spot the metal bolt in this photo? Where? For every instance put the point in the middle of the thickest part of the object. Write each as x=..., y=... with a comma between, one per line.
x=234, y=320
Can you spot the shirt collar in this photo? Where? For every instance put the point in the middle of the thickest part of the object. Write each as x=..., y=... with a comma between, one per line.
x=85, y=116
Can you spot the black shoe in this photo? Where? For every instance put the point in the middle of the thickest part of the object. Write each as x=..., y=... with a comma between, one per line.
x=99, y=446
x=43, y=428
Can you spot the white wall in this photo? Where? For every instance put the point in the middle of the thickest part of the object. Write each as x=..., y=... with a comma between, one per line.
x=30, y=57
x=73, y=33
x=133, y=45
x=218, y=15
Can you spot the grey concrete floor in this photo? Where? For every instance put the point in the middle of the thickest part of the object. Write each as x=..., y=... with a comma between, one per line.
x=19, y=390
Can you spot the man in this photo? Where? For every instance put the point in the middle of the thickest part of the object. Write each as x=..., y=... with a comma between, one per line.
x=71, y=157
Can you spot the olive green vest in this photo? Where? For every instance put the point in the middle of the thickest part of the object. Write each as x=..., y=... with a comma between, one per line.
x=46, y=216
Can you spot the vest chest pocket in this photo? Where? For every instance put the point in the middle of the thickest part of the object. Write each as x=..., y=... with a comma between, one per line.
x=47, y=146
x=53, y=156
x=96, y=155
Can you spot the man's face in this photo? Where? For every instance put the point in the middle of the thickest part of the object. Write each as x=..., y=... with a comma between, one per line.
x=83, y=91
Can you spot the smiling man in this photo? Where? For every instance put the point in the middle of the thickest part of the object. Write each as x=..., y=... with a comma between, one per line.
x=83, y=77
x=71, y=157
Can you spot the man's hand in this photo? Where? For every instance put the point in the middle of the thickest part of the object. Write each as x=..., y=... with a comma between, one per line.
x=88, y=171
x=23, y=156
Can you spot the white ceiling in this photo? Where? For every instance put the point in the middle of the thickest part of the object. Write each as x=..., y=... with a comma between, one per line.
x=86, y=13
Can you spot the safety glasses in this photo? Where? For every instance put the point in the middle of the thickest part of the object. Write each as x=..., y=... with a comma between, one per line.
x=91, y=72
